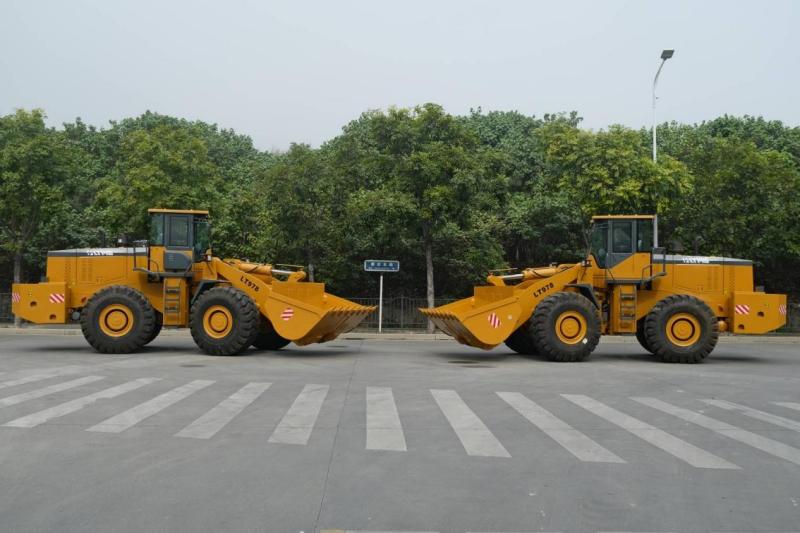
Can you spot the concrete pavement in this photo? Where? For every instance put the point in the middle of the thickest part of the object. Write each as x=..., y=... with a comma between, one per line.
x=358, y=435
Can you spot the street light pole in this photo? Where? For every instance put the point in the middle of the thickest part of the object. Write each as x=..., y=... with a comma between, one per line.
x=665, y=54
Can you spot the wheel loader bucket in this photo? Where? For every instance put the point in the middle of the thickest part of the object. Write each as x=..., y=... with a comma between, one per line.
x=304, y=313
x=483, y=321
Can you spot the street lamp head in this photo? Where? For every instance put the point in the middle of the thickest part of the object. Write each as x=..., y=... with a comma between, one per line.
x=666, y=54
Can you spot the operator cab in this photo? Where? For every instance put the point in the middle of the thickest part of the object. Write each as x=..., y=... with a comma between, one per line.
x=178, y=238
x=615, y=238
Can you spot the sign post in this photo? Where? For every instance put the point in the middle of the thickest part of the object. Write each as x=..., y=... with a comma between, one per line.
x=381, y=265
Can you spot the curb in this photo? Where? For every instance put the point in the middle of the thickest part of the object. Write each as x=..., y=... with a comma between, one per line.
x=366, y=336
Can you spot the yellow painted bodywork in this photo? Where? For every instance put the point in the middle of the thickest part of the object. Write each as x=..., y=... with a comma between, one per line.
x=495, y=311
x=300, y=311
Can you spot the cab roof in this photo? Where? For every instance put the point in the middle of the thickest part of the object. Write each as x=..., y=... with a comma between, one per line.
x=608, y=217
x=179, y=211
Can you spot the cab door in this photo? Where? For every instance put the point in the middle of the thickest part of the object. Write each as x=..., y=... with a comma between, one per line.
x=630, y=245
x=178, y=255
x=620, y=239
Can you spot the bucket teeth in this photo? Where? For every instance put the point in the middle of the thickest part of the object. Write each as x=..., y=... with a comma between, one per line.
x=451, y=324
x=336, y=320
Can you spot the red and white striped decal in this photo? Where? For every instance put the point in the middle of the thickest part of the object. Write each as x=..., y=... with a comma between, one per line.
x=287, y=313
x=494, y=320
x=782, y=309
x=742, y=309
x=15, y=297
x=56, y=298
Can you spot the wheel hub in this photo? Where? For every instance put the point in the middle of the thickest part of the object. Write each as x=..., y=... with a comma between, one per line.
x=683, y=329
x=217, y=321
x=116, y=320
x=571, y=327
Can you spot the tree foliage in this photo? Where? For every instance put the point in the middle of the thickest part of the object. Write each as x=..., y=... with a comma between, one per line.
x=449, y=196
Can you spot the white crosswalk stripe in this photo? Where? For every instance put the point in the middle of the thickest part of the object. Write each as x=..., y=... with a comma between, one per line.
x=214, y=420
x=296, y=425
x=755, y=413
x=370, y=531
x=134, y=415
x=669, y=443
x=789, y=405
x=470, y=430
x=28, y=379
x=772, y=447
x=44, y=391
x=66, y=408
x=384, y=430
x=570, y=438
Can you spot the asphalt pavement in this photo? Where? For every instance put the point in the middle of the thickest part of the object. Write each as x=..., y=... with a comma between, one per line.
x=396, y=435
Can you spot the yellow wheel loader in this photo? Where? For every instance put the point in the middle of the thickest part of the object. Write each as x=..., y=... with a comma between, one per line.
x=676, y=305
x=123, y=296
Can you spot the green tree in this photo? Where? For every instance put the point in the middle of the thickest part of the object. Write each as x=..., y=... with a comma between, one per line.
x=430, y=167
x=165, y=167
x=37, y=166
x=744, y=203
x=611, y=171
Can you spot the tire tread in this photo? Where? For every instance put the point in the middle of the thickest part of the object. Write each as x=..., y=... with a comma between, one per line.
x=144, y=324
x=656, y=336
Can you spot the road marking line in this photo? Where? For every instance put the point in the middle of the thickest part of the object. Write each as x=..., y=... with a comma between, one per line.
x=218, y=417
x=471, y=431
x=66, y=408
x=370, y=531
x=674, y=446
x=28, y=379
x=296, y=425
x=772, y=447
x=789, y=405
x=570, y=438
x=755, y=413
x=52, y=389
x=384, y=430
x=134, y=415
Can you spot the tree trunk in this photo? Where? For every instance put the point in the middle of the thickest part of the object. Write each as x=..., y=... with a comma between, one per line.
x=429, y=272
x=17, y=279
x=309, y=261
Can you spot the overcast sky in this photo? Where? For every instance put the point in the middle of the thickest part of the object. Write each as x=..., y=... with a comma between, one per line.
x=298, y=71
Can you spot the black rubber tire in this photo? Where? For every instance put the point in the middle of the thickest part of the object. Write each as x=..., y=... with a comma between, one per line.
x=267, y=338
x=640, y=336
x=521, y=341
x=245, y=316
x=655, y=329
x=543, y=322
x=144, y=319
x=156, y=328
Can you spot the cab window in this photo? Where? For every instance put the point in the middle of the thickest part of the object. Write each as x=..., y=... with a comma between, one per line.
x=622, y=236
x=644, y=235
x=600, y=243
x=179, y=231
x=157, y=229
x=202, y=238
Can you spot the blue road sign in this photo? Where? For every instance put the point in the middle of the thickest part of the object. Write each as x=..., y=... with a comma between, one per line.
x=381, y=265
